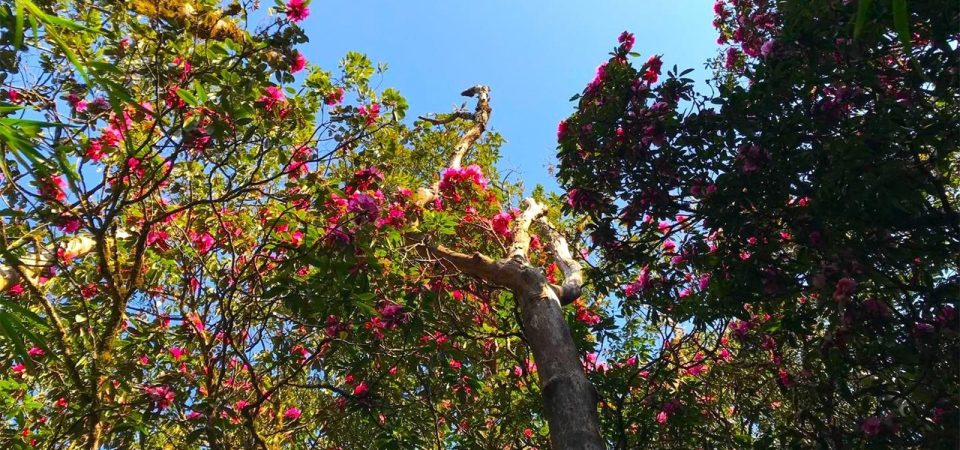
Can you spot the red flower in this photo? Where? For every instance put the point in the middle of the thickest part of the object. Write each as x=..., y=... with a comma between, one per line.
x=361, y=388
x=626, y=41
x=334, y=97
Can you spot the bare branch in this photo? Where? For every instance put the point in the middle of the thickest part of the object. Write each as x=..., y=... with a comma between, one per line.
x=572, y=270
x=77, y=246
x=477, y=265
x=521, y=228
x=447, y=118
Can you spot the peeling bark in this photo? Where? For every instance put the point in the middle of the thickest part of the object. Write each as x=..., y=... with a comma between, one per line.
x=77, y=246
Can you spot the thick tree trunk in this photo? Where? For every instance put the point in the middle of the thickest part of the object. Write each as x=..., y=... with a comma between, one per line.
x=569, y=399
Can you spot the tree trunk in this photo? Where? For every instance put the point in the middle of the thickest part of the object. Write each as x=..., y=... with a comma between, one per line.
x=569, y=399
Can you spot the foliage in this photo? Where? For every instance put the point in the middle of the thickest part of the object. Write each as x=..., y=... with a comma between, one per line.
x=795, y=233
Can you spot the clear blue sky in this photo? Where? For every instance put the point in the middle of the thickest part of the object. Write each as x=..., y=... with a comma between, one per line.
x=533, y=54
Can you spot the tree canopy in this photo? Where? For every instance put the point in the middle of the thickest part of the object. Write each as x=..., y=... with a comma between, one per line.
x=798, y=225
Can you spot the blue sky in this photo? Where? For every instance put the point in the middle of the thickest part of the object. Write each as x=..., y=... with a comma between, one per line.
x=533, y=54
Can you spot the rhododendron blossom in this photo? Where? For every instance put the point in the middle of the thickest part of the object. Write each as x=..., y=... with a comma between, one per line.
x=272, y=97
x=297, y=10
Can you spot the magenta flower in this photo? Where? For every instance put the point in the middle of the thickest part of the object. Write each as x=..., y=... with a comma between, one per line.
x=36, y=352
x=871, y=426
x=177, y=353
x=501, y=223
x=272, y=96
x=626, y=41
x=162, y=396
x=203, y=242
x=297, y=10
x=292, y=413
x=298, y=63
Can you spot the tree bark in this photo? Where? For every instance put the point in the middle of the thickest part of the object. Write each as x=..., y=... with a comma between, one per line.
x=569, y=399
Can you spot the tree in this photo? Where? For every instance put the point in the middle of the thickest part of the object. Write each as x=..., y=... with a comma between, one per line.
x=209, y=242
x=795, y=232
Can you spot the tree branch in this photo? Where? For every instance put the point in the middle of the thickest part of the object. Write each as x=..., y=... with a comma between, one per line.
x=78, y=246
x=572, y=285
x=521, y=229
x=480, y=117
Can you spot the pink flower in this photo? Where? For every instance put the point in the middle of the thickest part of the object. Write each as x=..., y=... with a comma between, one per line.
x=298, y=63
x=733, y=55
x=193, y=415
x=501, y=223
x=162, y=396
x=13, y=96
x=177, y=353
x=296, y=238
x=36, y=352
x=52, y=188
x=18, y=368
x=662, y=417
x=845, y=287
x=653, y=69
x=94, y=150
x=697, y=370
x=370, y=113
x=704, y=281
x=76, y=102
x=297, y=10
x=725, y=354
x=203, y=242
x=272, y=96
x=157, y=239
x=70, y=226
x=334, y=97
x=472, y=173
x=292, y=413
x=767, y=48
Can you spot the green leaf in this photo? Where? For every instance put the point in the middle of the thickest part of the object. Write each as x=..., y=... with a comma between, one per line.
x=187, y=96
x=18, y=25
x=10, y=333
x=863, y=10
x=201, y=92
x=69, y=54
x=901, y=22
